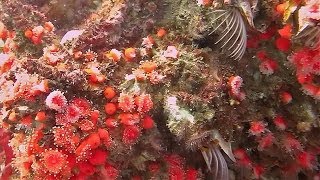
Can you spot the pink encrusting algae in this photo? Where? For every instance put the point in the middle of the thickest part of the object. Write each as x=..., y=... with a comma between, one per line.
x=235, y=83
x=159, y=89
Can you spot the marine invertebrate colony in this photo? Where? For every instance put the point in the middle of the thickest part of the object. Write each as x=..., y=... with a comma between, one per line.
x=231, y=20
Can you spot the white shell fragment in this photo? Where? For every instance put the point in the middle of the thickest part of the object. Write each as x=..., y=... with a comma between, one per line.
x=71, y=35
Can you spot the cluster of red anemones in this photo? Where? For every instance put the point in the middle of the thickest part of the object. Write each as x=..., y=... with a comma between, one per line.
x=307, y=64
x=72, y=113
x=92, y=154
x=3, y=31
x=7, y=154
x=176, y=168
x=280, y=122
x=88, y=56
x=302, y=158
x=95, y=77
x=8, y=38
x=98, y=157
x=282, y=42
x=290, y=143
x=131, y=111
x=306, y=160
x=78, y=148
x=114, y=55
x=148, y=66
x=235, y=83
x=41, y=87
x=65, y=137
x=110, y=172
x=91, y=142
x=76, y=111
x=154, y=168
x=144, y=103
x=34, y=143
x=265, y=139
x=257, y=128
x=254, y=40
x=36, y=34
x=126, y=102
x=56, y=100
x=32, y=88
x=147, y=71
x=286, y=97
x=52, y=55
x=242, y=157
x=53, y=161
x=244, y=160
x=6, y=62
x=130, y=134
x=129, y=54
